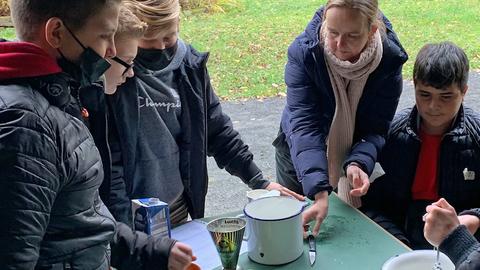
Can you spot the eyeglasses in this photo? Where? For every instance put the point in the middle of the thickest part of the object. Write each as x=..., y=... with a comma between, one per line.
x=123, y=63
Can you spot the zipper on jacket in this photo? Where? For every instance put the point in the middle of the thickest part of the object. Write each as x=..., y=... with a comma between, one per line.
x=205, y=106
x=109, y=154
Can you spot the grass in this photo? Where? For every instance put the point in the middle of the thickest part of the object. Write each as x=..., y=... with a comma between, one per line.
x=248, y=43
x=7, y=33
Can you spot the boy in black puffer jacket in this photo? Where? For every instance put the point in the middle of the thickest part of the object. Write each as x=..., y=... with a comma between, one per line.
x=431, y=151
x=51, y=215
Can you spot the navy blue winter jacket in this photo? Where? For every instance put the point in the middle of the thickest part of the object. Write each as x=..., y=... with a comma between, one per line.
x=310, y=106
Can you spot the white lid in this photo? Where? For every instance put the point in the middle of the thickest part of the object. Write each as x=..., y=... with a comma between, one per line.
x=273, y=208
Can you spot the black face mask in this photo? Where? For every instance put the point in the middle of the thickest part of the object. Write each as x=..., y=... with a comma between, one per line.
x=89, y=67
x=156, y=59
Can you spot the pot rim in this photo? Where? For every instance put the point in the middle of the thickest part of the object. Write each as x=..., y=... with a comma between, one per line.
x=279, y=219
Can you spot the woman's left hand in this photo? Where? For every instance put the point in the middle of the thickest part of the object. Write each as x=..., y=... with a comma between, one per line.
x=358, y=179
x=284, y=191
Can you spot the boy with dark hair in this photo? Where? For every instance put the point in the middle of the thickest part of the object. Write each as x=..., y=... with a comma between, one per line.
x=432, y=150
x=51, y=216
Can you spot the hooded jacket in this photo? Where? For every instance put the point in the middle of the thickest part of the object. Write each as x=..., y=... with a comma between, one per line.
x=206, y=130
x=310, y=106
x=51, y=215
x=130, y=250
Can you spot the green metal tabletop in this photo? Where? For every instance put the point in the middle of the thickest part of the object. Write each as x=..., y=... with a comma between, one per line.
x=347, y=240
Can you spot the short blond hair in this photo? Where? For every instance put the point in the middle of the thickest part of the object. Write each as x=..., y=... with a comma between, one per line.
x=129, y=25
x=367, y=8
x=158, y=14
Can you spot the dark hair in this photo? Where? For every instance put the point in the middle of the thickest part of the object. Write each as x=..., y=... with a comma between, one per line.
x=441, y=65
x=27, y=15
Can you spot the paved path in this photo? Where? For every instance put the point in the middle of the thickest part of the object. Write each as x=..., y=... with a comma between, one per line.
x=257, y=122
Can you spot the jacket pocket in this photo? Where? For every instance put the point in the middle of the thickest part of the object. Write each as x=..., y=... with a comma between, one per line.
x=280, y=141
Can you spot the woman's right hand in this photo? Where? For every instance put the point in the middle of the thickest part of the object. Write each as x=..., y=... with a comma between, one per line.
x=318, y=211
x=181, y=256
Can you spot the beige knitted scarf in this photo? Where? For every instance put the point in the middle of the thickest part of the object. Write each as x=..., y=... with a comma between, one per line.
x=348, y=80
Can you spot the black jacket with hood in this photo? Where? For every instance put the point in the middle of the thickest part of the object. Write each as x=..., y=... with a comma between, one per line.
x=51, y=215
x=50, y=170
x=131, y=250
x=206, y=130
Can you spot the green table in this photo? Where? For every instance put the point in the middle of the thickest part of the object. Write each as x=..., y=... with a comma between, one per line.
x=347, y=240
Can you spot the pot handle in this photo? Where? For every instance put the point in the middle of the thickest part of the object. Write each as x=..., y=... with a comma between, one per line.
x=307, y=203
x=246, y=233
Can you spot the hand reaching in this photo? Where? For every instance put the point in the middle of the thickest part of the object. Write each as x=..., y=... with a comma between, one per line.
x=284, y=191
x=318, y=212
x=181, y=256
x=440, y=220
x=359, y=180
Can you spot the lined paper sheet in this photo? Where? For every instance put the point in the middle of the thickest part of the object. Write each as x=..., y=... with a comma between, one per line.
x=194, y=233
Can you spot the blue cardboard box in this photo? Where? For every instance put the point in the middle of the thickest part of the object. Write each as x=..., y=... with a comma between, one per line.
x=151, y=216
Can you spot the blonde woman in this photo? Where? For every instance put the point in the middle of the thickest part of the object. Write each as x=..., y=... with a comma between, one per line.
x=344, y=80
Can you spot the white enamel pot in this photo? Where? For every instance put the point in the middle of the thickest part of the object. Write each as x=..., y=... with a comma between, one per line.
x=275, y=232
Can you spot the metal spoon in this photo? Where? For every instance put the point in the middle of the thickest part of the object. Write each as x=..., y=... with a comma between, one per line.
x=437, y=265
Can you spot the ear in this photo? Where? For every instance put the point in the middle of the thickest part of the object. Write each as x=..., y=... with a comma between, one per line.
x=373, y=29
x=55, y=32
x=178, y=25
x=464, y=90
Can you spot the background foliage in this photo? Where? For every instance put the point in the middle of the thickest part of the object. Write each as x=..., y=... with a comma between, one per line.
x=207, y=6
x=4, y=10
x=248, y=39
x=248, y=43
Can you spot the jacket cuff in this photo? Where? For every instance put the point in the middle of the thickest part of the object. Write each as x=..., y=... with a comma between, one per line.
x=258, y=182
x=252, y=176
x=314, y=183
x=458, y=245
x=160, y=253
x=473, y=212
x=361, y=164
x=319, y=188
